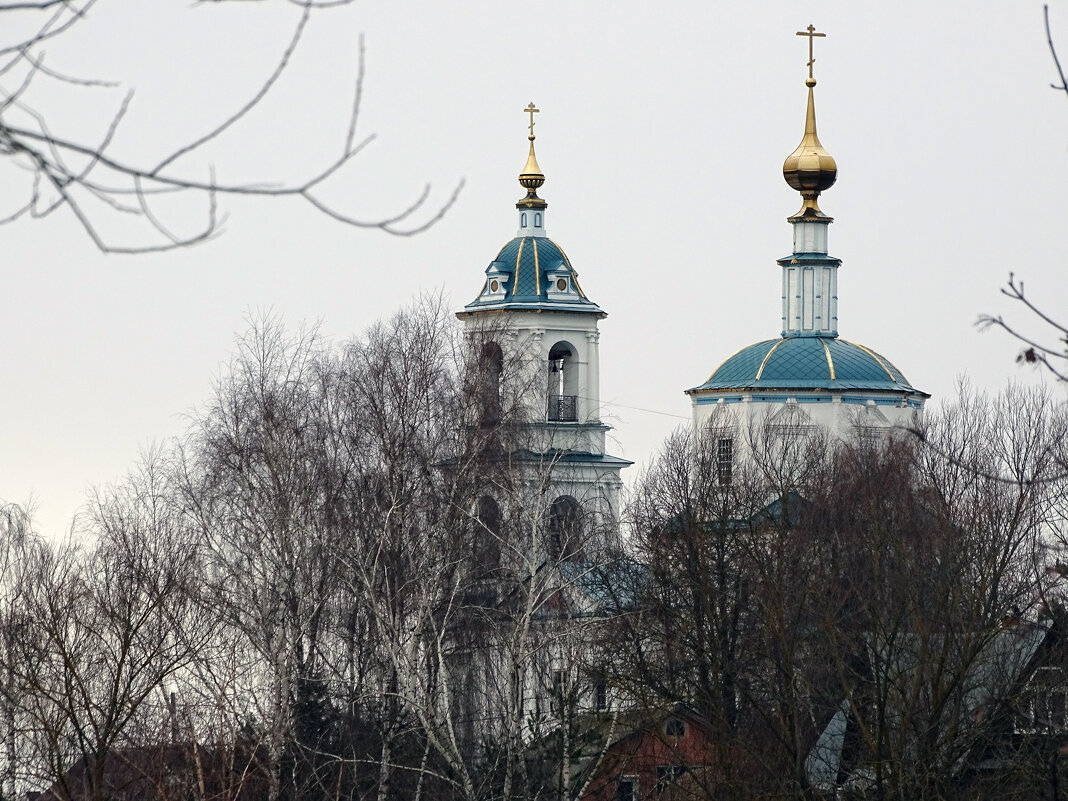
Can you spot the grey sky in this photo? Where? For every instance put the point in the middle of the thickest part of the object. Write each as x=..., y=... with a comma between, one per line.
x=662, y=132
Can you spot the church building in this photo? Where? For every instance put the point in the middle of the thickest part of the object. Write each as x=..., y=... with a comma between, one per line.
x=807, y=377
x=532, y=338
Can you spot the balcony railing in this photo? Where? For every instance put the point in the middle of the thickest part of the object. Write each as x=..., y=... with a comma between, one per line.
x=563, y=408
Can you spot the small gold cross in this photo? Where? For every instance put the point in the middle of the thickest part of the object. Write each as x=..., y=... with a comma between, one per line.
x=810, y=32
x=532, y=111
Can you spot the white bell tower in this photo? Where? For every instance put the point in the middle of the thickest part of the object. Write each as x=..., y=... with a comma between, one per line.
x=533, y=334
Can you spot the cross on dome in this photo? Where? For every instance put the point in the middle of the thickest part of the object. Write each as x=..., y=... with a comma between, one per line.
x=810, y=32
x=531, y=111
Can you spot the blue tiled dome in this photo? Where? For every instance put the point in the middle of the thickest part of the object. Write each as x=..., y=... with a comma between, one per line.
x=522, y=267
x=808, y=363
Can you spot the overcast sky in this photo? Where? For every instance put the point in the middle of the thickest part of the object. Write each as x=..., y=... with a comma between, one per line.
x=662, y=132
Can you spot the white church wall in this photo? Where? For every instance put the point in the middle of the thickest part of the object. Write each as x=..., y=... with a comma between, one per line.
x=527, y=339
x=837, y=414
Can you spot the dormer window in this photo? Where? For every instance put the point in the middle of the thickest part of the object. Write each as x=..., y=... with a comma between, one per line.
x=559, y=282
x=495, y=281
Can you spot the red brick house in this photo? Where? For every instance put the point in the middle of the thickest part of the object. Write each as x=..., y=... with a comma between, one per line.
x=670, y=754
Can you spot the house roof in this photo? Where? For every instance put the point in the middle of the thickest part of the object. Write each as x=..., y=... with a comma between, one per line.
x=1000, y=666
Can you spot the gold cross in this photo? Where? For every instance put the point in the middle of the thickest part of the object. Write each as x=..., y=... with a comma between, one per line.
x=810, y=32
x=532, y=111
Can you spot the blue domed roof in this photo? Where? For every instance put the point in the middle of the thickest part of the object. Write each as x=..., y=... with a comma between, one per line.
x=528, y=273
x=808, y=363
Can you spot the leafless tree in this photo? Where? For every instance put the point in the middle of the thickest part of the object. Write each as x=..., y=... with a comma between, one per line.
x=857, y=590
x=935, y=587
x=104, y=625
x=396, y=598
x=17, y=541
x=722, y=611
x=86, y=175
x=256, y=486
x=473, y=615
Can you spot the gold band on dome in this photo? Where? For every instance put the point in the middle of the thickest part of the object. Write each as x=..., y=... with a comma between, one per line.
x=713, y=374
x=875, y=356
x=766, y=357
x=537, y=268
x=567, y=261
x=830, y=361
x=575, y=281
x=518, y=258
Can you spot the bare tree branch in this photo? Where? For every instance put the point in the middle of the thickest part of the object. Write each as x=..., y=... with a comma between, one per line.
x=68, y=12
x=1037, y=353
x=91, y=182
x=257, y=97
x=1053, y=52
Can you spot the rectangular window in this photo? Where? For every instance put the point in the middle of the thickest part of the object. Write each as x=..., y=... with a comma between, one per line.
x=600, y=695
x=869, y=436
x=557, y=700
x=666, y=774
x=724, y=461
x=627, y=788
x=1044, y=705
x=1057, y=709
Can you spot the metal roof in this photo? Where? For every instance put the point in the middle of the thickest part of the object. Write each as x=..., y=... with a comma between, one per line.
x=808, y=362
x=522, y=266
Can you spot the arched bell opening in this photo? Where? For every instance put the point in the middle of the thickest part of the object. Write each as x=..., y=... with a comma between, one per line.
x=486, y=540
x=564, y=529
x=563, y=383
x=490, y=372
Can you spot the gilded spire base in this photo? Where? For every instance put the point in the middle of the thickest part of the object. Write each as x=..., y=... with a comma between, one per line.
x=810, y=211
x=531, y=201
x=531, y=179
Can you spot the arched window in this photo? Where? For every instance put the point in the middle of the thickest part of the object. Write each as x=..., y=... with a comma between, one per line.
x=486, y=542
x=523, y=220
x=674, y=727
x=490, y=369
x=563, y=383
x=537, y=219
x=564, y=529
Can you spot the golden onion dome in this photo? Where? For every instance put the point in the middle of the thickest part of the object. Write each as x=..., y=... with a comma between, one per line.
x=810, y=169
